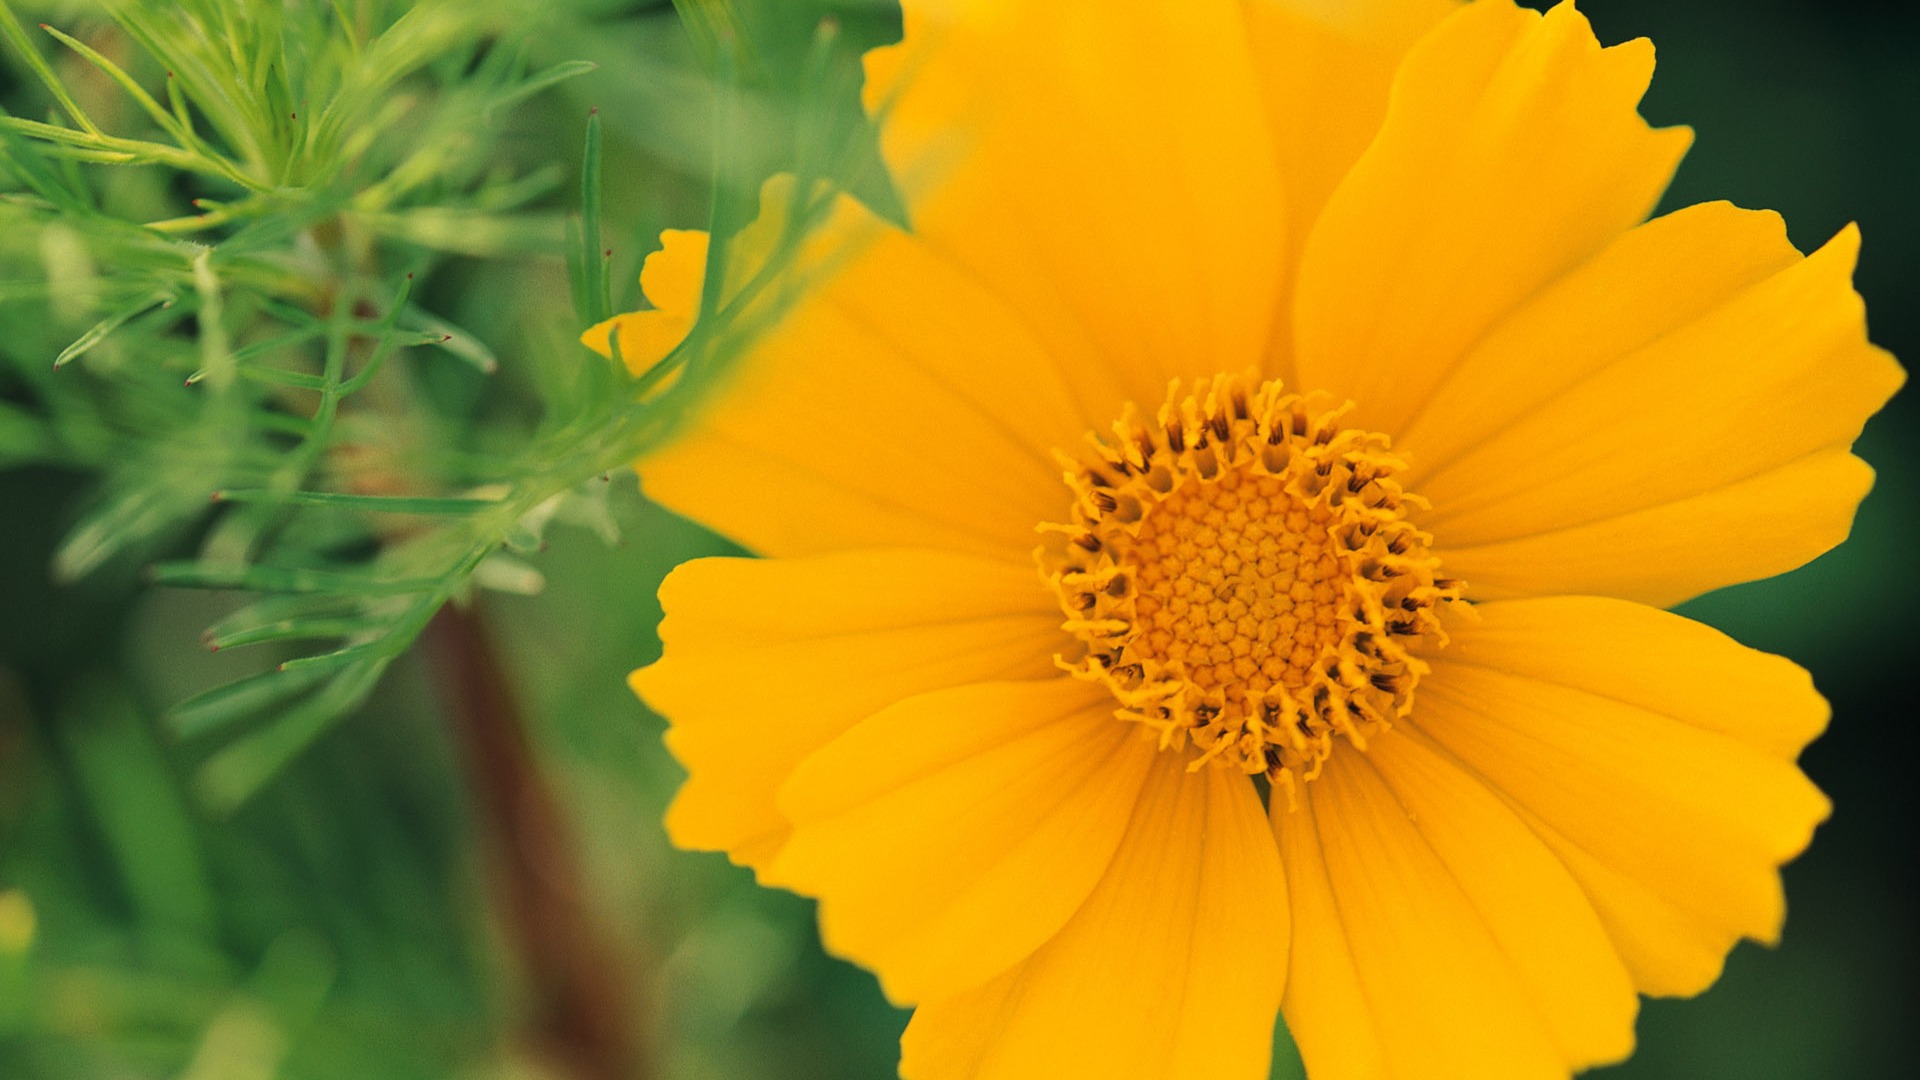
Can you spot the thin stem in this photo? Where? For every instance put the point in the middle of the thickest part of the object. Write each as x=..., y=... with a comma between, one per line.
x=582, y=1016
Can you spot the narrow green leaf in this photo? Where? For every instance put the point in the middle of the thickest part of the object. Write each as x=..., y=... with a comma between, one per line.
x=293, y=316
x=134, y=90
x=383, y=504
x=576, y=250
x=298, y=380
x=123, y=521
x=349, y=27
x=280, y=423
x=214, y=214
x=16, y=35
x=269, y=346
x=461, y=231
x=216, y=349
x=93, y=157
x=296, y=630
x=99, y=330
x=282, y=119
x=717, y=31
x=350, y=656
x=236, y=773
x=388, y=338
x=291, y=607
x=593, y=265
x=25, y=159
x=456, y=342
x=274, y=579
x=53, y=132
x=94, y=146
x=139, y=809
x=503, y=195
x=237, y=701
x=727, y=211
x=533, y=84
x=177, y=101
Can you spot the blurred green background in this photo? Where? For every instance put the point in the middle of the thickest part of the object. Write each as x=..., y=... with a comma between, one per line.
x=360, y=918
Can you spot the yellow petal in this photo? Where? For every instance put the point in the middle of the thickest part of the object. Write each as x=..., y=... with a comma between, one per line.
x=1676, y=550
x=950, y=835
x=1426, y=881
x=1330, y=1014
x=1712, y=454
x=1650, y=281
x=767, y=661
x=1653, y=755
x=1325, y=67
x=1111, y=177
x=898, y=402
x=670, y=279
x=673, y=279
x=1171, y=971
x=1510, y=154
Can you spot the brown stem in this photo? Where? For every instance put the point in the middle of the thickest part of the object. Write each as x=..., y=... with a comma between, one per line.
x=582, y=1014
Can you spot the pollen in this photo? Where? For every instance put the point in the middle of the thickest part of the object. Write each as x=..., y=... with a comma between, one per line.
x=1244, y=576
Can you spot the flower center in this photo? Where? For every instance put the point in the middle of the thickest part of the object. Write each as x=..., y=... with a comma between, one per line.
x=1244, y=577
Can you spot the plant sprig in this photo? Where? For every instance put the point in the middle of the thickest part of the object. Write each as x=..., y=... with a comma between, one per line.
x=234, y=375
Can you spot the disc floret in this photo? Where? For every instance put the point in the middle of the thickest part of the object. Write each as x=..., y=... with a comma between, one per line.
x=1244, y=577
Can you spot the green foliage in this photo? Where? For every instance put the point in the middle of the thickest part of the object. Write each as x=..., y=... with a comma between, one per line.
x=240, y=354
x=211, y=298
x=289, y=305
x=137, y=939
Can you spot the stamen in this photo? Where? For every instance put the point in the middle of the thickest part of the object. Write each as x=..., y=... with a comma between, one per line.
x=1244, y=577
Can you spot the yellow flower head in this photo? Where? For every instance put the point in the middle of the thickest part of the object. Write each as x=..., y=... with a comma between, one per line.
x=1321, y=356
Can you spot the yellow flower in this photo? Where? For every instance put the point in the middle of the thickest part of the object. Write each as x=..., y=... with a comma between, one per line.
x=1341, y=687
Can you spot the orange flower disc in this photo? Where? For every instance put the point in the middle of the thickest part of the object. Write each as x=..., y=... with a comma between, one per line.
x=1245, y=578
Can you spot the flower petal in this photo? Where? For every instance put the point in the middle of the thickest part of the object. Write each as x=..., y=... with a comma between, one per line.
x=1418, y=877
x=950, y=835
x=1171, y=971
x=1325, y=69
x=1712, y=453
x=1652, y=280
x=1112, y=177
x=766, y=661
x=897, y=402
x=1652, y=754
x=1510, y=154
x=1673, y=551
x=670, y=279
